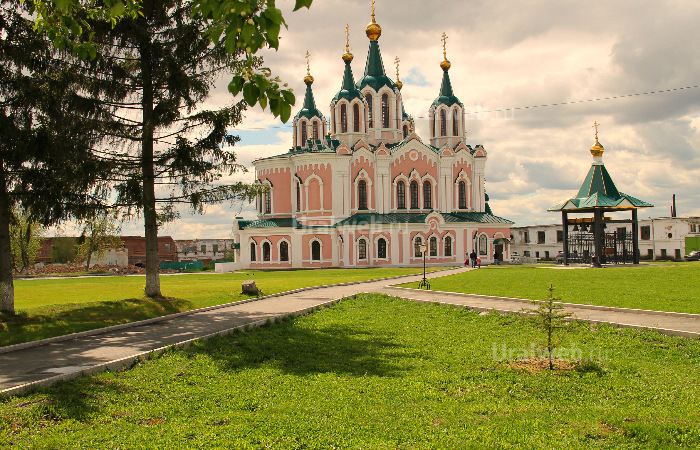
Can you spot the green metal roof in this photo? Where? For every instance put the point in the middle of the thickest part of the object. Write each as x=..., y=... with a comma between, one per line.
x=309, y=110
x=446, y=97
x=375, y=76
x=348, y=90
x=598, y=191
x=458, y=217
x=285, y=222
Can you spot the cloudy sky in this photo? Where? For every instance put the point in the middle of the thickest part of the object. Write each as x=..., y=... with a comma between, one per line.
x=510, y=55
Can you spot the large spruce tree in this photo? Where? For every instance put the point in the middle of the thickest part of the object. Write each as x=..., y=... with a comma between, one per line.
x=156, y=70
x=47, y=130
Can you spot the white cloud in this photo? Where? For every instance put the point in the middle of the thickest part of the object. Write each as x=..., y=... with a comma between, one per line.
x=506, y=55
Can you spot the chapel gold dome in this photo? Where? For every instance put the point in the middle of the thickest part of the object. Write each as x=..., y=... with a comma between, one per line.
x=374, y=31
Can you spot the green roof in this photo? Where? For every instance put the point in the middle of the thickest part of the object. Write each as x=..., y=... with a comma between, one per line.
x=446, y=97
x=348, y=91
x=309, y=110
x=598, y=191
x=375, y=76
x=284, y=222
x=458, y=217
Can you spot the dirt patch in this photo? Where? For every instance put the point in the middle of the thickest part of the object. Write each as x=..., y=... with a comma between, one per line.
x=536, y=365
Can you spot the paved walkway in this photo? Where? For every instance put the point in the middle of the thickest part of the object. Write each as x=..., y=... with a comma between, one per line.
x=26, y=368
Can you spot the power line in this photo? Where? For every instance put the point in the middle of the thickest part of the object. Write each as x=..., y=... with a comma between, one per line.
x=518, y=108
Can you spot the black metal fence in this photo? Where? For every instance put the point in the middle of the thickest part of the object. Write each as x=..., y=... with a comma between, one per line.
x=618, y=247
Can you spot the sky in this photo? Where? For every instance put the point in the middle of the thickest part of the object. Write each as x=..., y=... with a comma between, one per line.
x=509, y=56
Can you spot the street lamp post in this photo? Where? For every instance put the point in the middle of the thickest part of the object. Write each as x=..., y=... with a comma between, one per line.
x=424, y=282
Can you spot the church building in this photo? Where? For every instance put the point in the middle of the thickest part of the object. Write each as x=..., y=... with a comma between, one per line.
x=360, y=188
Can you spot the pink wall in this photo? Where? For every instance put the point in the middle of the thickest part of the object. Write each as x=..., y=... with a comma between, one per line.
x=325, y=173
x=281, y=180
x=358, y=165
x=274, y=252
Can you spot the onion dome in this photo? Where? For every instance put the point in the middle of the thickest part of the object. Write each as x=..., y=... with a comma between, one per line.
x=597, y=149
x=373, y=30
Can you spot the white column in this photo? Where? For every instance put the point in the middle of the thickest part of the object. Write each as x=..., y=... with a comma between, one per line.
x=296, y=250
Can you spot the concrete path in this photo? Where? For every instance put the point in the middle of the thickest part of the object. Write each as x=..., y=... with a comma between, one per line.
x=23, y=369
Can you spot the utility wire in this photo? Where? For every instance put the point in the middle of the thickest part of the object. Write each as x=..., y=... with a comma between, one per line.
x=518, y=108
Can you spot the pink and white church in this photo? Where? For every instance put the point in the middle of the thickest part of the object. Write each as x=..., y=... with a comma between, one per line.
x=363, y=189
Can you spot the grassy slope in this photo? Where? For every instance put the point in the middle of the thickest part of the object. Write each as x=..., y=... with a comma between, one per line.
x=662, y=287
x=53, y=307
x=375, y=372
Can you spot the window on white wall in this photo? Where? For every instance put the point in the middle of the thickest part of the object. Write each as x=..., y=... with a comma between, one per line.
x=448, y=246
x=316, y=251
x=284, y=251
x=433, y=246
x=362, y=194
x=483, y=244
x=416, y=247
x=266, y=251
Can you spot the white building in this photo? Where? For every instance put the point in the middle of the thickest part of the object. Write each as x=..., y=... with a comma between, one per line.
x=661, y=238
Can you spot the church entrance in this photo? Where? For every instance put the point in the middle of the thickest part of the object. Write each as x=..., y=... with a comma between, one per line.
x=499, y=252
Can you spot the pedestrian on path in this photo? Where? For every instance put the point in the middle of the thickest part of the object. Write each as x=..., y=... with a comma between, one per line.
x=478, y=262
x=472, y=257
x=495, y=259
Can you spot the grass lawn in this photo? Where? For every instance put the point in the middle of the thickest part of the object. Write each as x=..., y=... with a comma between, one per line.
x=658, y=287
x=54, y=307
x=380, y=373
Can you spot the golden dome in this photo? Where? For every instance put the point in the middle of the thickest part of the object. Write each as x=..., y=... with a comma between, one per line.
x=374, y=31
x=308, y=79
x=399, y=85
x=347, y=56
x=597, y=149
x=445, y=65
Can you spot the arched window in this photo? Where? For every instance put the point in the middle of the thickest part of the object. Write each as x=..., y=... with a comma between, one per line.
x=455, y=122
x=381, y=248
x=315, y=129
x=443, y=123
x=298, y=197
x=432, y=126
x=356, y=118
x=252, y=251
x=362, y=194
x=462, y=195
x=482, y=244
x=433, y=246
x=368, y=97
x=405, y=131
x=448, y=246
x=385, y=111
x=316, y=251
x=268, y=203
x=416, y=247
x=304, y=133
x=284, y=251
x=343, y=118
x=362, y=249
x=427, y=197
x=266, y=251
x=401, y=195
x=414, y=195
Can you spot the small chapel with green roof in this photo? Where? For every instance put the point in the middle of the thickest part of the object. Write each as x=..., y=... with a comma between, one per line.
x=360, y=188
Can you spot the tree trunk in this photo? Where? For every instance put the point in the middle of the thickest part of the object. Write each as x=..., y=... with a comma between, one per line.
x=149, y=197
x=7, y=287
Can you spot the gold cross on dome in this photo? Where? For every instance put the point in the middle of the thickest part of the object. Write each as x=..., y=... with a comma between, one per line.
x=347, y=38
x=397, y=61
x=596, y=125
x=373, y=20
x=444, y=45
x=308, y=66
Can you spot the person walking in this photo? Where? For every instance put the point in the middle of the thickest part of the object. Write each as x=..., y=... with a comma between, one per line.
x=472, y=258
x=495, y=258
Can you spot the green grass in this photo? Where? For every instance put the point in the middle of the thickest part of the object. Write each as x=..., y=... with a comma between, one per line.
x=659, y=287
x=378, y=373
x=54, y=307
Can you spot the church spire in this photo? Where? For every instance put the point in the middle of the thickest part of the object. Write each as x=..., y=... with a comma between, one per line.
x=447, y=96
x=375, y=75
x=348, y=90
x=309, y=109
